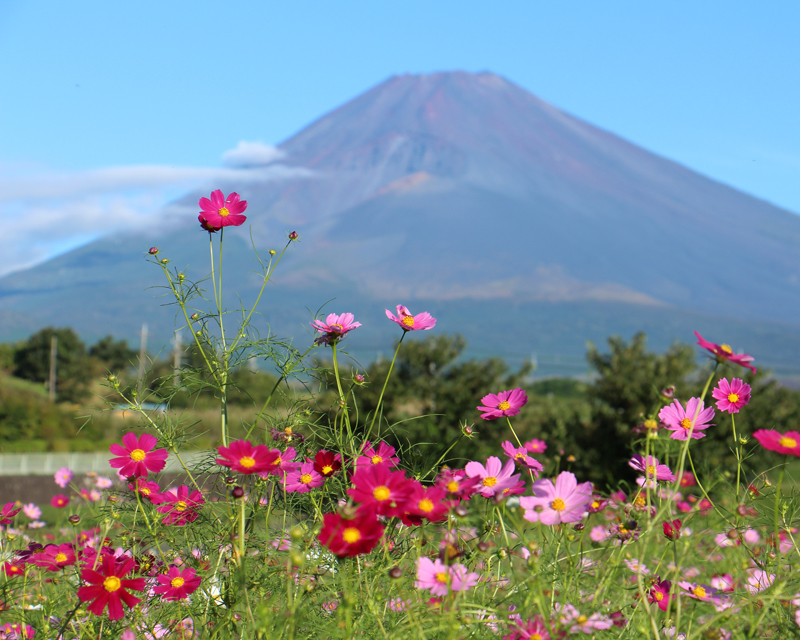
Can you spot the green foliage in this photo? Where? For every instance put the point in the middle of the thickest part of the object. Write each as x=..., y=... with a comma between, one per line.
x=73, y=370
x=113, y=355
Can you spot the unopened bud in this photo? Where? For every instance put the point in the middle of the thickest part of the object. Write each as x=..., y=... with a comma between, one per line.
x=195, y=316
x=199, y=332
x=395, y=573
x=272, y=252
x=181, y=277
x=293, y=235
x=668, y=393
x=358, y=378
x=153, y=251
x=112, y=378
x=75, y=519
x=460, y=510
x=230, y=480
x=164, y=261
x=297, y=533
x=113, y=499
x=502, y=553
x=579, y=527
x=298, y=559
x=483, y=547
x=237, y=492
x=468, y=430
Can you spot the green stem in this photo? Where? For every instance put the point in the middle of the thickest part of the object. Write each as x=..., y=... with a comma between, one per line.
x=385, y=382
x=343, y=402
x=777, y=510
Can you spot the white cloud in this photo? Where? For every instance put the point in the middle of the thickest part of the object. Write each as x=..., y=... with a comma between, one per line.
x=248, y=154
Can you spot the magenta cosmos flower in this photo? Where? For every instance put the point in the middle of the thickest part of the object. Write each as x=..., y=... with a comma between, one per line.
x=724, y=352
x=495, y=476
x=177, y=584
x=179, y=505
x=137, y=458
x=335, y=327
x=303, y=480
x=107, y=587
x=242, y=456
x=381, y=490
x=659, y=594
x=681, y=422
x=566, y=501
x=731, y=396
x=383, y=454
x=786, y=443
x=408, y=322
x=220, y=211
x=536, y=446
x=351, y=536
x=648, y=465
x=503, y=404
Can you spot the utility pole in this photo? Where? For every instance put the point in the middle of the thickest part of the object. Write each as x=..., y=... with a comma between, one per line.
x=142, y=355
x=53, y=360
x=176, y=361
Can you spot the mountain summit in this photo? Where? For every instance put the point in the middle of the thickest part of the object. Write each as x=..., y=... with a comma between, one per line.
x=465, y=189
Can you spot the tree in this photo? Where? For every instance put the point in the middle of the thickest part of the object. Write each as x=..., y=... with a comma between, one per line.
x=73, y=371
x=114, y=355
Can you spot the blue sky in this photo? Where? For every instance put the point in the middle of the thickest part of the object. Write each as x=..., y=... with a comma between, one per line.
x=111, y=109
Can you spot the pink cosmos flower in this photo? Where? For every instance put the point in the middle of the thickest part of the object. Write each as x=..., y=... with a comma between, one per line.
x=495, y=476
x=659, y=594
x=786, y=443
x=457, y=484
x=381, y=490
x=599, y=533
x=179, y=505
x=335, y=327
x=566, y=501
x=651, y=469
x=536, y=446
x=731, y=396
x=682, y=422
x=724, y=352
x=569, y=615
x=137, y=457
x=63, y=477
x=384, y=454
x=433, y=575
x=533, y=629
x=102, y=482
x=303, y=480
x=220, y=211
x=758, y=580
x=242, y=456
x=701, y=592
x=421, y=321
x=15, y=631
x=59, y=501
x=503, y=404
x=428, y=503
x=177, y=584
x=723, y=581
x=521, y=457
x=145, y=488
x=32, y=511
x=54, y=557
x=461, y=579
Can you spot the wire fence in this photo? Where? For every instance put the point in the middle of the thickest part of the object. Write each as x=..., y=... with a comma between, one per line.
x=44, y=464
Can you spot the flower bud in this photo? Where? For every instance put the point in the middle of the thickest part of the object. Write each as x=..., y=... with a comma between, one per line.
x=112, y=378
x=75, y=519
x=181, y=277
x=293, y=235
x=298, y=559
x=153, y=251
x=272, y=252
x=395, y=573
x=579, y=527
x=194, y=316
x=164, y=261
x=297, y=533
x=672, y=530
x=358, y=378
x=237, y=493
x=483, y=547
x=230, y=480
x=460, y=510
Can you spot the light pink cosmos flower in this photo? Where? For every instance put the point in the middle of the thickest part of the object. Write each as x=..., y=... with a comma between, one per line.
x=758, y=580
x=724, y=352
x=599, y=533
x=651, y=469
x=731, y=396
x=285, y=463
x=335, y=327
x=722, y=582
x=636, y=566
x=102, y=482
x=566, y=501
x=520, y=456
x=32, y=511
x=136, y=457
x=681, y=422
x=220, y=211
x=408, y=322
x=579, y=623
x=63, y=477
x=503, y=404
x=461, y=579
x=303, y=480
x=495, y=476
x=536, y=446
x=433, y=575
x=701, y=592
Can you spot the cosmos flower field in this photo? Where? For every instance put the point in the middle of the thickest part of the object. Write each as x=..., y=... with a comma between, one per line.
x=326, y=530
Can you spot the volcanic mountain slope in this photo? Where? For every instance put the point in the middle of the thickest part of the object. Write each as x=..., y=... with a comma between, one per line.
x=461, y=189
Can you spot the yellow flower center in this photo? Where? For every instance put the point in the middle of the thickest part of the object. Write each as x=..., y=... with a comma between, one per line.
x=504, y=405
x=443, y=577
x=425, y=505
x=452, y=486
x=381, y=493
x=733, y=398
x=177, y=582
x=306, y=478
x=595, y=505
x=699, y=592
x=789, y=443
x=651, y=470
x=145, y=491
x=111, y=584
x=137, y=455
x=247, y=462
x=640, y=501
x=686, y=423
x=536, y=636
x=623, y=530
x=337, y=328
x=224, y=212
x=581, y=619
x=519, y=455
x=61, y=557
x=490, y=481
x=650, y=424
x=658, y=595
x=408, y=321
x=327, y=469
x=558, y=505
x=351, y=535
x=180, y=505
x=376, y=459
x=726, y=349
